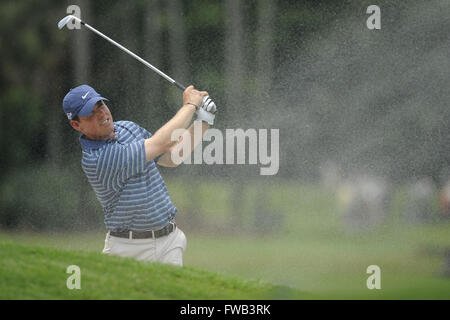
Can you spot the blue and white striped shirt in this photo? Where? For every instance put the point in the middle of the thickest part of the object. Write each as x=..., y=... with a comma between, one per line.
x=131, y=191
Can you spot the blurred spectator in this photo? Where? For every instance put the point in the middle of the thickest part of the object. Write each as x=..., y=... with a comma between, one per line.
x=444, y=193
x=444, y=200
x=446, y=271
x=419, y=204
x=364, y=200
x=330, y=175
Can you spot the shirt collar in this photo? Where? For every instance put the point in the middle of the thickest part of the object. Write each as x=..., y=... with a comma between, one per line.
x=87, y=143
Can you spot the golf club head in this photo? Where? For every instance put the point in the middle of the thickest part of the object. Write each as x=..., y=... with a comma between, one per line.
x=65, y=20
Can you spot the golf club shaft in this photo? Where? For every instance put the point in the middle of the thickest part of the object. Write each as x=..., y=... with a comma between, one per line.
x=162, y=74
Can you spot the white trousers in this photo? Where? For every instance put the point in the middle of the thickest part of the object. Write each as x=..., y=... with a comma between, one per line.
x=167, y=249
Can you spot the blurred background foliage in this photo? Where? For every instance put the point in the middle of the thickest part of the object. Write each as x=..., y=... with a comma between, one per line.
x=371, y=102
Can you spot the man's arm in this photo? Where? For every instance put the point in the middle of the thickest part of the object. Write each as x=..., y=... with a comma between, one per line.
x=161, y=142
x=166, y=159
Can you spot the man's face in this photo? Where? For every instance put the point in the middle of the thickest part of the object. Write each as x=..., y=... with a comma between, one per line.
x=98, y=125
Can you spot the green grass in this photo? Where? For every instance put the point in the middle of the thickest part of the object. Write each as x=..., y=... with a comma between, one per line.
x=31, y=272
x=312, y=252
x=328, y=268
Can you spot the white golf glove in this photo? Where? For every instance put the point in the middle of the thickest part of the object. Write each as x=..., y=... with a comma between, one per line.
x=207, y=111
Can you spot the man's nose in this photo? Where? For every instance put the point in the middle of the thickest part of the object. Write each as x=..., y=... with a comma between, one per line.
x=100, y=113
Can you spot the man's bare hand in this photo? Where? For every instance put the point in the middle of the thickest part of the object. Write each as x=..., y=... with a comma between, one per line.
x=193, y=96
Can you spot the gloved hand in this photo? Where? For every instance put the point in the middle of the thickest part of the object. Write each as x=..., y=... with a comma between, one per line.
x=208, y=105
x=206, y=112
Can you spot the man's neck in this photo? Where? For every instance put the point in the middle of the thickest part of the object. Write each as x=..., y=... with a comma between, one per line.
x=112, y=135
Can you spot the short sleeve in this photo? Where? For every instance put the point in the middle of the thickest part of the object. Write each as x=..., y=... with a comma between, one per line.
x=145, y=133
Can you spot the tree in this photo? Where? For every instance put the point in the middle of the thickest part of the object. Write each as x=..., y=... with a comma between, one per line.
x=81, y=57
x=264, y=219
x=234, y=79
x=152, y=51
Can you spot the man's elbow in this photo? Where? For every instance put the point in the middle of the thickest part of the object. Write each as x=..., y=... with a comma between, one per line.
x=167, y=164
x=166, y=161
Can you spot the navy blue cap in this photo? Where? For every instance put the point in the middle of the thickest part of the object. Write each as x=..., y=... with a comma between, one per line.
x=80, y=101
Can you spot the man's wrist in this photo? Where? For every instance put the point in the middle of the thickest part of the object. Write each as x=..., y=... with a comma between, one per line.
x=192, y=104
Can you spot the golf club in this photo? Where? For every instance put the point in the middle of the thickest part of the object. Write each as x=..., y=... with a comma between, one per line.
x=68, y=18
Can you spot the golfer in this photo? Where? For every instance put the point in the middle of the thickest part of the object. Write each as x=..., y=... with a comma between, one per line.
x=119, y=160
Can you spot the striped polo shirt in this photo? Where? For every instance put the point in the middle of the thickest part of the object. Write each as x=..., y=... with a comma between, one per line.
x=130, y=189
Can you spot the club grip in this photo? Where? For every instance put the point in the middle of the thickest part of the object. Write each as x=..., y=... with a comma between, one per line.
x=179, y=86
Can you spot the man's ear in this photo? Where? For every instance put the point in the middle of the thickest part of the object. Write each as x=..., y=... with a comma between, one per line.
x=75, y=125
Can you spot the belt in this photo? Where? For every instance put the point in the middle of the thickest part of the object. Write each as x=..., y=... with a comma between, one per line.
x=150, y=234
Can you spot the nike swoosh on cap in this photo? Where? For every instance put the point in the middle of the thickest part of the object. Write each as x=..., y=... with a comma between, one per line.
x=84, y=97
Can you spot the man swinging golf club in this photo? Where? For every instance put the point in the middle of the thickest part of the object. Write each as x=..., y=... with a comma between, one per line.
x=119, y=160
